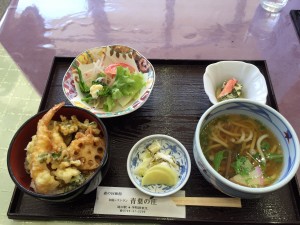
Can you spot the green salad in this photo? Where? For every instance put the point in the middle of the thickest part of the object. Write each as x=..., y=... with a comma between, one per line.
x=107, y=88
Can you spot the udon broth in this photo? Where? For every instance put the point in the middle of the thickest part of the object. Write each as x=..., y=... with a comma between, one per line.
x=242, y=150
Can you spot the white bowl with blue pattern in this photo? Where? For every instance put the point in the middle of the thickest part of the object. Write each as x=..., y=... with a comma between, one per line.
x=179, y=153
x=270, y=118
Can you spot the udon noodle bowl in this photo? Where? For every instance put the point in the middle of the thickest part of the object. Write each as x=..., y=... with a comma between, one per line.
x=242, y=150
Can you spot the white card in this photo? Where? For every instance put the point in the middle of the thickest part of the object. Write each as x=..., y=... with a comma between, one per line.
x=130, y=201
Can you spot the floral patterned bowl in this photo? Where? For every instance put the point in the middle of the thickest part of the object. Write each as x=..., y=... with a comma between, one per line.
x=177, y=151
x=109, y=55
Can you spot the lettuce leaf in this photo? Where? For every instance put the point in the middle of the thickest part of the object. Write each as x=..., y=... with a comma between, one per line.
x=109, y=104
x=126, y=84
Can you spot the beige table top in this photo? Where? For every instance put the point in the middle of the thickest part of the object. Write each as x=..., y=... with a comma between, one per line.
x=15, y=109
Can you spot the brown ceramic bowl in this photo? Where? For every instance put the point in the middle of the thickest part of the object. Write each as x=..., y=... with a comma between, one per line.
x=17, y=154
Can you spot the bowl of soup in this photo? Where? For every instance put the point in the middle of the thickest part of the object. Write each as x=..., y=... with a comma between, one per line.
x=245, y=149
x=59, y=154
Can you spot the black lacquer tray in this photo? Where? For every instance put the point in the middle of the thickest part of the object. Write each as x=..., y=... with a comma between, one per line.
x=174, y=108
x=295, y=15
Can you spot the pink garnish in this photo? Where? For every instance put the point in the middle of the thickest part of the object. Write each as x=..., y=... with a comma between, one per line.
x=228, y=87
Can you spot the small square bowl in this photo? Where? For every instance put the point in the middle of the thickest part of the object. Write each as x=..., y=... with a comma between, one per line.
x=178, y=152
x=254, y=83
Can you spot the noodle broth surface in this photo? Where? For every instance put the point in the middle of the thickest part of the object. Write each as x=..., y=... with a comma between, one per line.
x=242, y=150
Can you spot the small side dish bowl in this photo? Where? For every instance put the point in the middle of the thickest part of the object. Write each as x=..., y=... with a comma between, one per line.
x=248, y=75
x=267, y=117
x=90, y=66
x=175, y=149
x=16, y=155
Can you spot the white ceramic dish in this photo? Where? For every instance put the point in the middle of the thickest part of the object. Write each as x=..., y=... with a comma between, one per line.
x=109, y=54
x=178, y=151
x=270, y=118
x=254, y=83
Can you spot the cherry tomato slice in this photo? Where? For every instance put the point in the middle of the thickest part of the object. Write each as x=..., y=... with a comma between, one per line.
x=112, y=68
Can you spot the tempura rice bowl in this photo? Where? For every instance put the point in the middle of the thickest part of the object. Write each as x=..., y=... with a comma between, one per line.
x=272, y=120
x=16, y=156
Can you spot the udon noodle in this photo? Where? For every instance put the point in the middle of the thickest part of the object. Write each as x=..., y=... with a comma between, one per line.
x=242, y=150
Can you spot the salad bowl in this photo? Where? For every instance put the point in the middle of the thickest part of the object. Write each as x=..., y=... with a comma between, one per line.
x=97, y=70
